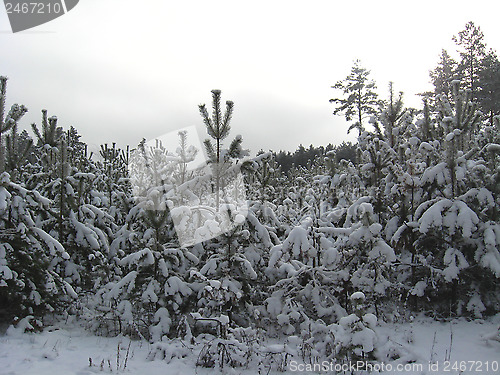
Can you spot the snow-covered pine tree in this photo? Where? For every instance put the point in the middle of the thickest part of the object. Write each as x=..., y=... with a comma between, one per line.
x=31, y=261
x=17, y=150
x=114, y=164
x=226, y=283
x=305, y=282
x=151, y=295
x=30, y=281
x=8, y=122
x=77, y=218
x=448, y=210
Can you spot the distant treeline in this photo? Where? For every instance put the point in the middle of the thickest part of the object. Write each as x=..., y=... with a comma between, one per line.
x=305, y=157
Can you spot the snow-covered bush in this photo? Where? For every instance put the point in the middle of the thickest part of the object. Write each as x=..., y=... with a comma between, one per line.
x=355, y=338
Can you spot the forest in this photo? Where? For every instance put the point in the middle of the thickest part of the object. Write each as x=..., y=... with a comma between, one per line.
x=312, y=249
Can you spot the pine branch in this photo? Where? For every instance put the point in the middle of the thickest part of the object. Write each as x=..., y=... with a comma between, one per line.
x=235, y=147
x=207, y=121
x=216, y=115
x=227, y=118
x=209, y=148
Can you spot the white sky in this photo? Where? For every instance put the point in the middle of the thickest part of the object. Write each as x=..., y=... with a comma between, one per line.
x=121, y=70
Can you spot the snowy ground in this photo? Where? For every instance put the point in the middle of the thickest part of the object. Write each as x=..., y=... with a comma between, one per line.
x=70, y=349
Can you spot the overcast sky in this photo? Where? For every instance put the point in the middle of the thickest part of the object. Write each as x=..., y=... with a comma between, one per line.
x=121, y=70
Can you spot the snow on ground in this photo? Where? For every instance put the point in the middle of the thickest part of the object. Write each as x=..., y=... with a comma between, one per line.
x=475, y=345
x=69, y=349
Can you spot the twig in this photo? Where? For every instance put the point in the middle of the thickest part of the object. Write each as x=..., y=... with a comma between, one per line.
x=432, y=348
x=126, y=356
x=118, y=357
x=448, y=352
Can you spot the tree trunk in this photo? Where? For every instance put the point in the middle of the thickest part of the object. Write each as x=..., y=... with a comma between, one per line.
x=217, y=176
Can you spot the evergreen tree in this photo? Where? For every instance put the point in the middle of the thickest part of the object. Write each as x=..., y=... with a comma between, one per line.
x=8, y=122
x=489, y=85
x=32, y=262
x=444, y=73
x=149, y=294
x=114, y=164
x=225, y=281
x=360, y=99
x=218, y=129
x=50, y=133
x=473, y=50
x=18, y=147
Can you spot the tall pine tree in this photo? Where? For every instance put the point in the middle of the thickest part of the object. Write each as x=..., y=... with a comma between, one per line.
x=360, y=99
